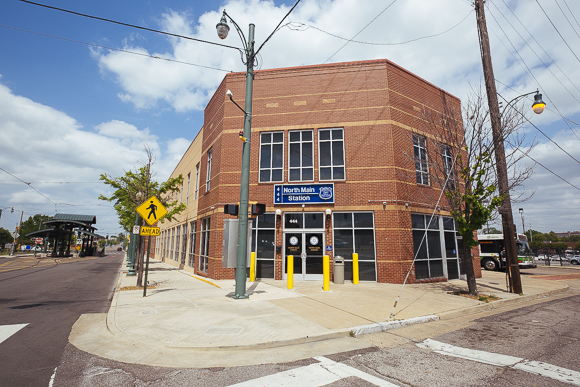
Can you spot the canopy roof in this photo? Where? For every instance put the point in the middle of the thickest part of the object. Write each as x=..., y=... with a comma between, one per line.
x=86, y=219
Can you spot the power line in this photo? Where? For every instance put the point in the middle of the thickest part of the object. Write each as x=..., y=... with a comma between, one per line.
x=572, y=51
x=299, y=24
x=129, y=25
x=568, y=20
x=28, y=184
x=277, y=27
x=364, y=28
x=571, y=13
x=115, y=49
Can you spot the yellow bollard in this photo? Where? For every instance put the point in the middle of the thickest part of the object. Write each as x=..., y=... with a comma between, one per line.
x=253, y=268
x=355, y=268
x=290, y=271
x=326, y=273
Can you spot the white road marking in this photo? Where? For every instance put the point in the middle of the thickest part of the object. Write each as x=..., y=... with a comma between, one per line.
x=52, y=378
x=535, y=367
x=313, y=375
x=8, y=330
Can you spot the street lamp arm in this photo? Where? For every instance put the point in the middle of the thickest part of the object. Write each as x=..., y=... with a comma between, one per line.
x=242, y=36
x=235, y=103
x=515, y=99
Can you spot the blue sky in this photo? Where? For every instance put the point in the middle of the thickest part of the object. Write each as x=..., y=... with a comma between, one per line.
x=70, y=111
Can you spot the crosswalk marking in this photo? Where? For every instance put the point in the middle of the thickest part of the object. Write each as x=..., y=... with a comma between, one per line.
x=535, y=367
x=314, y=375
x=8, y=330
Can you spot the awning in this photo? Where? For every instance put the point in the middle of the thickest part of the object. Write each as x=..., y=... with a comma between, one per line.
x=48, y=232
x=73, y=222
x=91, y=234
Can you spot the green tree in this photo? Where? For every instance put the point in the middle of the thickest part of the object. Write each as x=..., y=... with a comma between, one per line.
x=491, y=230
x=33, y=223
x=5, y=237
x=459, y=151
x=132, y=189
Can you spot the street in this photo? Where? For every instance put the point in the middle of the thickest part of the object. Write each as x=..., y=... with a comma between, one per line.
x=543, y=331
x=40, y=301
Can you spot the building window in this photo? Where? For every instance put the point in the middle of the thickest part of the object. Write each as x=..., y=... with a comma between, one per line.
x=435, y=247
x=271, y=157
x=183, y=243
x=421, y=167
x=204, y=244
x=196, y=181
x=181, y=193
x=171, y=243
x=177, y=235
x=208, y=176
x=331, y=154
x=264, y=244
x=192, y=235
x=188, y=181
x=354, y=232
x=447, y=157
x=300, y=156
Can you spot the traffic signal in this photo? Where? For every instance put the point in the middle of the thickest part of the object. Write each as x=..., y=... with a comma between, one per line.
x=258, y=209
x=231, y=209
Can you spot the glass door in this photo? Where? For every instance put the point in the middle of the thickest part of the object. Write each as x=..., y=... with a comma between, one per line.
x=314, y=248
x=294, y=246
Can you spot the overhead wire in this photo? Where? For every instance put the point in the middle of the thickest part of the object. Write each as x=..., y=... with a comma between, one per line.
x=277, y=27
x=571, y=13
x=128, y=25
x=375, y=44
x=115, y=49
x=553, y=25
x=28, y=184
x=568, y=20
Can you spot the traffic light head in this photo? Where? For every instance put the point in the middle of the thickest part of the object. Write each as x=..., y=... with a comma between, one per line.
x=231, y=209
x=258, y=209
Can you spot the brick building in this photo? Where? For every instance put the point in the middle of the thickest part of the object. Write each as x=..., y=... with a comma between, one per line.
x=338, y=157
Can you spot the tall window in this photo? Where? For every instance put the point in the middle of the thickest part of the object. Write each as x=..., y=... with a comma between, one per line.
x=192, y=235
x=183, y=243
x=196, y=180
x=271, y=156
x=354, y=233
x=447, y=157
x=331, y=154
x=300, y=156
x=421, y=167
x=187, y=197
x=435, y=247
x=208, y=176
x=263, y=244
x=177, y=234
x=172, y=243
x=204, y=244
x=181, y=193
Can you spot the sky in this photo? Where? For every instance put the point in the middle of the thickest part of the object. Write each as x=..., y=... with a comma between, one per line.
x=80, y=97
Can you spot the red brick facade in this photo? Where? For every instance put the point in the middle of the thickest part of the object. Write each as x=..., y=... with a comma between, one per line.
x=376, y=103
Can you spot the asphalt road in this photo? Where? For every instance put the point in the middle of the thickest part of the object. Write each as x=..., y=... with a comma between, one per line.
x=48, y=295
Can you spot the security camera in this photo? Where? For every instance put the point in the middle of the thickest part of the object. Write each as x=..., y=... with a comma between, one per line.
x=229, y=93
x=384, y=203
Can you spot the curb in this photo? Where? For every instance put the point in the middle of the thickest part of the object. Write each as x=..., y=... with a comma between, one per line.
x=385, y=326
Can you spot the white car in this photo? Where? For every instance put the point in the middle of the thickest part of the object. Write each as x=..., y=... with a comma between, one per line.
x=575, y=260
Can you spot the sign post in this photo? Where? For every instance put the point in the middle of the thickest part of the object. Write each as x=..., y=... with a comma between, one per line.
x=151, y=211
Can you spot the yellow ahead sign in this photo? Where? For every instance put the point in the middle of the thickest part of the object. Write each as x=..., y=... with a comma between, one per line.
x=155, y=231
x=151, y=210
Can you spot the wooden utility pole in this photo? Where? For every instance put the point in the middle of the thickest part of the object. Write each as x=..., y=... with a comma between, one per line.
x=507, y=220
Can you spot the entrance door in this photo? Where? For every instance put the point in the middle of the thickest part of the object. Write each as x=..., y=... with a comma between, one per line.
x=308, y=251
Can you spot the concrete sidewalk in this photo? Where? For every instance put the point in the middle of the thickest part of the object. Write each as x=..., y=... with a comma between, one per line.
x=189, y=321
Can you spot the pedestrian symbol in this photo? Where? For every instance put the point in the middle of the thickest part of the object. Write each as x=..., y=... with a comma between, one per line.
x=151, y=210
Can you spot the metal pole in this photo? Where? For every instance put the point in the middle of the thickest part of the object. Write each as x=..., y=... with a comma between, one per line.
x=502, y=176
x=146, y=267
x=131, y=251
x=245, y=181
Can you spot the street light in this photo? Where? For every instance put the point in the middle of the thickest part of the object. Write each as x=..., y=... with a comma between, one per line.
x=222, y=29
x=523, y=226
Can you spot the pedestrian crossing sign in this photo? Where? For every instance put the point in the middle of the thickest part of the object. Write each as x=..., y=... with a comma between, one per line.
x=151, y=210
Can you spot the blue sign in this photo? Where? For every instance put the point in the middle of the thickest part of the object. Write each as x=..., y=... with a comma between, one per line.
x=329, y=248
x=303, y=193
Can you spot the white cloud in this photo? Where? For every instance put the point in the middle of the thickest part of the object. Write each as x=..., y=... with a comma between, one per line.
x=66, y=161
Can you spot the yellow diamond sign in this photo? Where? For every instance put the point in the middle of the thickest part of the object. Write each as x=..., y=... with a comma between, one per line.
x=151, y=210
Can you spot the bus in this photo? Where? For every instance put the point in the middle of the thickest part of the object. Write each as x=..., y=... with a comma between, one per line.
x=491, y=245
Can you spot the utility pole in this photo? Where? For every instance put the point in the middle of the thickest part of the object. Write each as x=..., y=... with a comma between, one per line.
x=502, y=176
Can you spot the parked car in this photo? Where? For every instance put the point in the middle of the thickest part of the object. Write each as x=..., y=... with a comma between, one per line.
x=119, y=249
x=575, y=260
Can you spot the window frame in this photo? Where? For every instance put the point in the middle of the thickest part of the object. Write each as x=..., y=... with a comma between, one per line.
x=271, y=168
x=196, y=181
x=204, y=244
x=421, y=160
x=208, y=171
x=447, y=159
x=192, y=242
x=301, y=168
x=331, y=165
